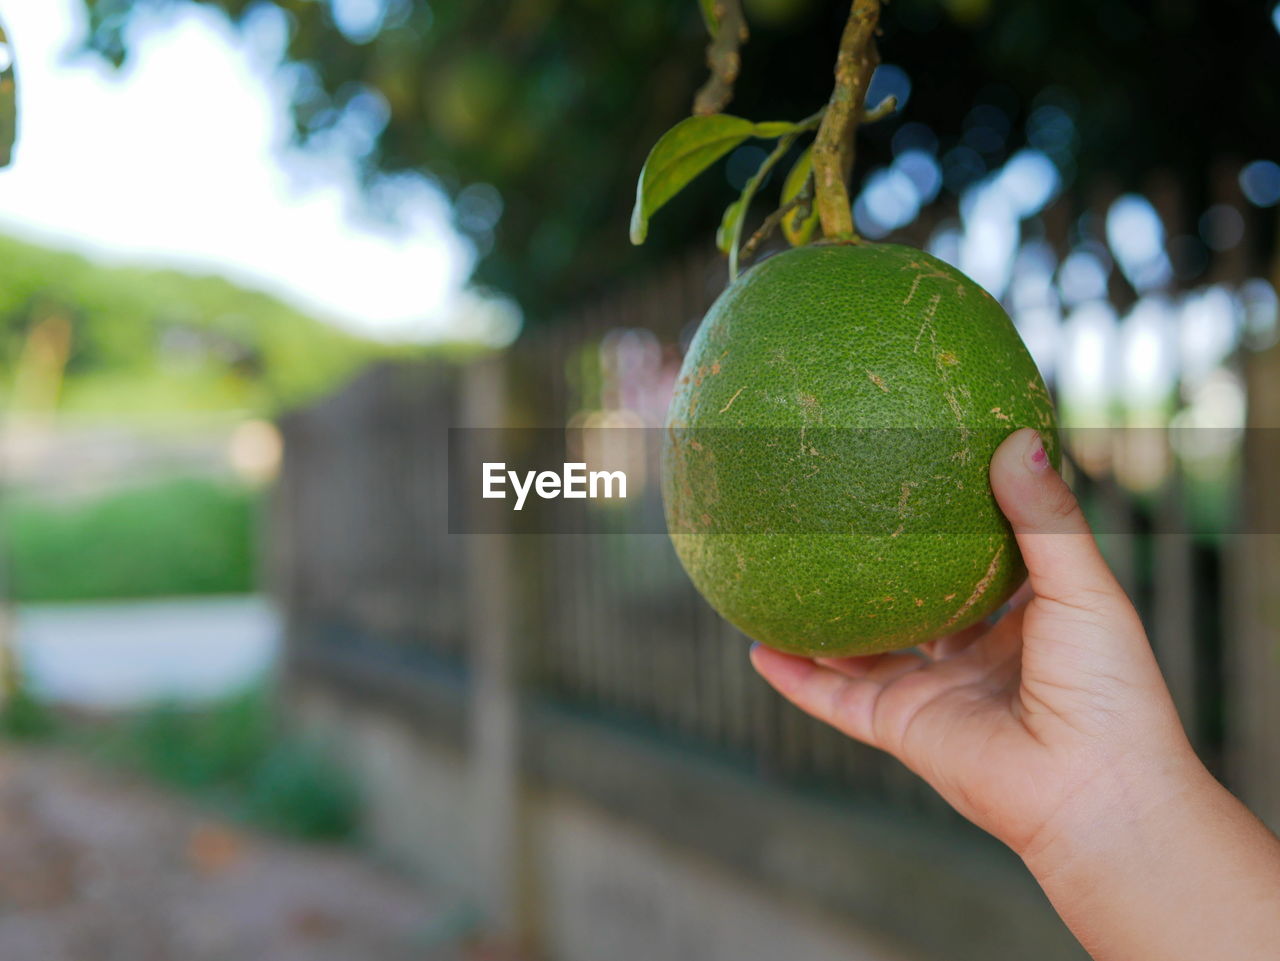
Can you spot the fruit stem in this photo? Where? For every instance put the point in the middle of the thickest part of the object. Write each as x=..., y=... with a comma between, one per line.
x=784, y=144
x=833, y=148
x=801, y=202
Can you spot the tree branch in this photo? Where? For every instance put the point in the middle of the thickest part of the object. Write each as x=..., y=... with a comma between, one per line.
x=833, y=149
x=724, y=58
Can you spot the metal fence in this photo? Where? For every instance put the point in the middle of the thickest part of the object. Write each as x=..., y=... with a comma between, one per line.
x=607, y=623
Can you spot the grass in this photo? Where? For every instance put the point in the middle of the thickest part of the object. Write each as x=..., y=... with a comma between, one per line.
x=171, y=537
x=234, y=755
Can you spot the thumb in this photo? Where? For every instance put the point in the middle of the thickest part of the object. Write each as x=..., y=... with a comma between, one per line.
x=1062, y=558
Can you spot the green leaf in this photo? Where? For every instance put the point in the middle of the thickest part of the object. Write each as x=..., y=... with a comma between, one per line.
x=8, y=102
x=709, y=16
x=729, y=225
x=683, y=152
x=796, y=228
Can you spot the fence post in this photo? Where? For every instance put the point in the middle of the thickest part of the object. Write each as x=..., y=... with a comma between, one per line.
x=493, y=729
x=1253, y=602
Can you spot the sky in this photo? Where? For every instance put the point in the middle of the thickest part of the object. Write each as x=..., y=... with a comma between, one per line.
x=182, y=159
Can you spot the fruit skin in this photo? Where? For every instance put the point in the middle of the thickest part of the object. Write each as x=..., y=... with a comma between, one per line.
x=820, y=540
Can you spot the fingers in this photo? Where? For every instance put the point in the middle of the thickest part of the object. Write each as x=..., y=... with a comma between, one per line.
x=1080, y=626
x=845, y=702
x=1062, y=558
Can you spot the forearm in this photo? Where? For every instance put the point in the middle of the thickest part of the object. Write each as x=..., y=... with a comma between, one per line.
x=1168, y=867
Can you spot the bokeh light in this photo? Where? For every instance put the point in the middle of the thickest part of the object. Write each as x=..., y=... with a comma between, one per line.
x=1260, y=183
x=1222, y=227
x=1136, y=236
x=888, y=81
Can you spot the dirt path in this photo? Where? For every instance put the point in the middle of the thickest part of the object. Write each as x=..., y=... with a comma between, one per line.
x=98, y=866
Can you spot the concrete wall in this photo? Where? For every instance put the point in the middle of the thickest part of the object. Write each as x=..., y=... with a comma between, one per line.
x=610, y=889
x=417, y=791
x=630, y=852
x=598, y=886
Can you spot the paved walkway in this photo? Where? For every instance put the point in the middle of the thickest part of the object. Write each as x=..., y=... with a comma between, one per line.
x=98, y=867
x=122, y=653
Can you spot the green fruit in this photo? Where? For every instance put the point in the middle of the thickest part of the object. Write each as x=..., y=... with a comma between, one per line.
x=825, y=463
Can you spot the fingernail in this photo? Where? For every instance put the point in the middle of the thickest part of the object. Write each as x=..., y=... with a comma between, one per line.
x=755, y=646
x=1037, y=459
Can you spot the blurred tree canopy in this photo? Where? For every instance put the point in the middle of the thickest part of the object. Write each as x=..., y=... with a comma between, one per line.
x=77, y=335
x=543, y=110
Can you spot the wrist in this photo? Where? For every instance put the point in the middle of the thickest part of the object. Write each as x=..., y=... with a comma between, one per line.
x=1129, y=803
x=1161, y=861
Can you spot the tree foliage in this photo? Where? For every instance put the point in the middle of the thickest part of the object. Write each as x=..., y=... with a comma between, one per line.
x=128, y=340
x=555, y=102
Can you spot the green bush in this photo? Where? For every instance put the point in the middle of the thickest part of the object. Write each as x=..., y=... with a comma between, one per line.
x=236, y=755
x=24, y=717
x=296, y=790
x=181, y=536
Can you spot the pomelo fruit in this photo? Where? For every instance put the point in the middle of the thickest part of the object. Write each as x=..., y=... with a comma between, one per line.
x=826, y=454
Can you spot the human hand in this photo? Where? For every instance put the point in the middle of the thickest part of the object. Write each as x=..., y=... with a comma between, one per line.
x=1026, y=727
x=1054, y=731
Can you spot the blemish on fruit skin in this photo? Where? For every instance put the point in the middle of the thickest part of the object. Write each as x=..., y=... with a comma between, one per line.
x=878, y=381
x=915, y=284
x=919, y=602
x=927, y=323
x=954, y=403
x=904, y=495
x=931, y=272
x=949, y=597
x=980, y=588
x=695, y=445
x=706, y=520
x=715, y=368
x=1000, y=415
x=725, y=408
